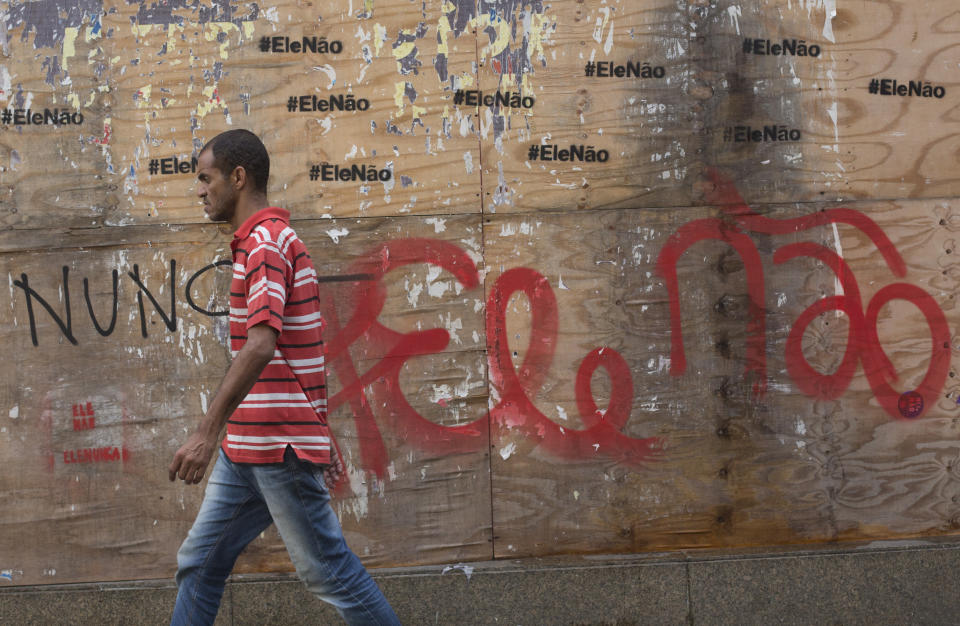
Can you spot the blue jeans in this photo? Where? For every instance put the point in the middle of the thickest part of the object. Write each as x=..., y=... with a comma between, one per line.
x=240, y=502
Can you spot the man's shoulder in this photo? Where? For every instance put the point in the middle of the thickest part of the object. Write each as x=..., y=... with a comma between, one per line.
x=275, y=226
x=277, y=231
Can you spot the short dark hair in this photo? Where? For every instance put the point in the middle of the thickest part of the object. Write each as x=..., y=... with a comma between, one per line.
x=241, y=148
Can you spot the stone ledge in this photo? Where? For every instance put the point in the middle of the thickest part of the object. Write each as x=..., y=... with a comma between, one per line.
x=877, y=583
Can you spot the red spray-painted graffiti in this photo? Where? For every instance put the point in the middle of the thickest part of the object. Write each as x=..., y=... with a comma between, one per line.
x=364, y=296
x=515, y=389
x=79, y=444
x=362, y=293
x=863, y=343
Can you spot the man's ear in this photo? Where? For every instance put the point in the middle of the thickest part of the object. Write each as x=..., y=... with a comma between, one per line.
x=238, y=177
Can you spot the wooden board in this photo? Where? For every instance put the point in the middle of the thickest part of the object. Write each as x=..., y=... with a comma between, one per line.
x=154, y=86
x=90, y=427
x=834, y=133
x=626, y=131
x=504, y=332
x=729, y=466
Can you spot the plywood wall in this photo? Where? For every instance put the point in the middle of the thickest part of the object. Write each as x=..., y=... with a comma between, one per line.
x=723, y=313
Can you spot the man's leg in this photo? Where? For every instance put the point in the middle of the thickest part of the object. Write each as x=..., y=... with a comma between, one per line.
x=300, y=507
x=231, y=516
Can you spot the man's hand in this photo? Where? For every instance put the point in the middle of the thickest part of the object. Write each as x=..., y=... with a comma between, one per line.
x=191, y=460
x=333, y=472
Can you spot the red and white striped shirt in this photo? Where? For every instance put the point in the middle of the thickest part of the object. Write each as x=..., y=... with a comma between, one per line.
x=274, y=283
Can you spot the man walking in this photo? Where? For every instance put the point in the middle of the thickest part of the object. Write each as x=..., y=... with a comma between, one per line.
x=278, y=455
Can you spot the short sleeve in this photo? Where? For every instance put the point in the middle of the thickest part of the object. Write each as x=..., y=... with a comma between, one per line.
x=266, y=285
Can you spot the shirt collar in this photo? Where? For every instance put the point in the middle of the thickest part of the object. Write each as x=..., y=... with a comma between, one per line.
x=260, y=216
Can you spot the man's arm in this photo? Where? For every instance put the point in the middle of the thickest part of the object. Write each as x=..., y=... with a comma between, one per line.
x=191, y=460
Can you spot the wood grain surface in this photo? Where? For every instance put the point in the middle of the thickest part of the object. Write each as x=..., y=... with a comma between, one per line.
x=117, y=517
x=737, y=326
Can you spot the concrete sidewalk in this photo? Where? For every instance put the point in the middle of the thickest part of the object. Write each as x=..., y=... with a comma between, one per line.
x=909, y=582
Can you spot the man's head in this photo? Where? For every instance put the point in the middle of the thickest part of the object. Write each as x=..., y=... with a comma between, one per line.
x=232, y=165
